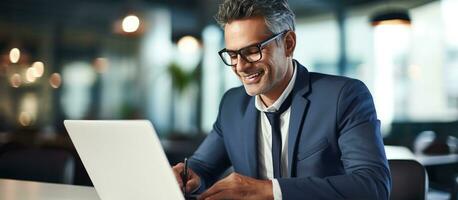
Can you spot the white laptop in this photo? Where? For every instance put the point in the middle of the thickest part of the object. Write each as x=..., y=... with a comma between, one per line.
x=124, y=159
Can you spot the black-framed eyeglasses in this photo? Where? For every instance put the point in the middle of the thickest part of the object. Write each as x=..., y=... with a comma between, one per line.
x=250, y=53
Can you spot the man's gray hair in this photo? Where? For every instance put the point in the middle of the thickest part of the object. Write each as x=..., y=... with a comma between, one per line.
x=276, y=13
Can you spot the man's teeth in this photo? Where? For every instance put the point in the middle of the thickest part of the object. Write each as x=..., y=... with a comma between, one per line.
x=254, y=75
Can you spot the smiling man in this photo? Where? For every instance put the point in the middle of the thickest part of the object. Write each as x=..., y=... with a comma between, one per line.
x=287, y=133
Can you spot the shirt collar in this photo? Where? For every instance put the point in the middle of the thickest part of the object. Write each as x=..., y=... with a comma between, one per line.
x=276, y=105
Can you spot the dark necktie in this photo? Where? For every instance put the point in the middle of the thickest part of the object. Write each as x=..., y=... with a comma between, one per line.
x=274, y=120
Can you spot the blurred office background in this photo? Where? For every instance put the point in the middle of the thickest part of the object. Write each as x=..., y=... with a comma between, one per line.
x=157, y=60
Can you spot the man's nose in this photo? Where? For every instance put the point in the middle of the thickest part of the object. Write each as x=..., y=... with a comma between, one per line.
x=242, y=64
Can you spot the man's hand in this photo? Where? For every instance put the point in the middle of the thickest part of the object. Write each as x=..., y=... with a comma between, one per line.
x=193, y=178
x=236, y=186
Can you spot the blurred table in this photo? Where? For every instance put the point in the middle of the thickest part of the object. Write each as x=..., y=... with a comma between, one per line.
x=400, y=152
x=427, y=160
x=29, y=190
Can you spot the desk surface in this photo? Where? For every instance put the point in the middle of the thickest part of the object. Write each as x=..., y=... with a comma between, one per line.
x=28, y=190
x=437, y=160
x=400, y=152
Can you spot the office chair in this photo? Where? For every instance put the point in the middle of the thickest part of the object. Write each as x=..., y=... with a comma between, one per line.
x=47, y=165
x=409, y=180
x=454, y=194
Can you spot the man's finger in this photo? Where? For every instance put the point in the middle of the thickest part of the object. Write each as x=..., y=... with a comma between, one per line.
x=223, y=194
x=178, y=166
x=177, y=169
x=192, y=184
x=217, y=187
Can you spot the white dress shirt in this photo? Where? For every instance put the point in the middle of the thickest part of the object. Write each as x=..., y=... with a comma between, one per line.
x=265, y=137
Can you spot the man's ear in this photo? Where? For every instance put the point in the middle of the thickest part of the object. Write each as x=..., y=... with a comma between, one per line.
x=290, y=43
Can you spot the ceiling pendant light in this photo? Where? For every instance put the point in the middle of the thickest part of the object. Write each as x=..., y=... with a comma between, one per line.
x=130, y=23
x=391, y=17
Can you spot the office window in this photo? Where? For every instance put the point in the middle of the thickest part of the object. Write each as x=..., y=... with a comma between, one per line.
x=410, y=70
x=431, y=64
x=317, y=44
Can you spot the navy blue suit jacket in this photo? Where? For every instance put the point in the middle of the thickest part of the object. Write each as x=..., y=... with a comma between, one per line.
x=335, y=147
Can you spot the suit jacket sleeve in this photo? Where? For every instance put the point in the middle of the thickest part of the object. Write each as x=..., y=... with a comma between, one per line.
x=210, y=160
x=367, y=174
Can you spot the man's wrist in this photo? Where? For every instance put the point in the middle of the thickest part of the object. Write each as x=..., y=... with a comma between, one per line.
x=268, y=190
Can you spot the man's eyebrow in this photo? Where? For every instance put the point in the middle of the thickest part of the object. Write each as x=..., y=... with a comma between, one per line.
x=250, y=45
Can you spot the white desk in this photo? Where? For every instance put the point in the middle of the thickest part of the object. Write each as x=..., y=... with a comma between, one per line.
x=400, y=152
x=28, y=190
x=437, y=160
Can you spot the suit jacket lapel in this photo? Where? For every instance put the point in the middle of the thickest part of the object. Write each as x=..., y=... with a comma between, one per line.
x=298, y=109
x=249, y=130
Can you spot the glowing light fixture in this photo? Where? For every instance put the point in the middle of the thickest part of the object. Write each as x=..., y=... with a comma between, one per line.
x=15, y=54
x=39, y=69
x=15, y=80
x=130, y=23
x=55, y=80
x=101, y=64
x=188, y=44
x=189, y=53
x=30, y=75
x=25, y=119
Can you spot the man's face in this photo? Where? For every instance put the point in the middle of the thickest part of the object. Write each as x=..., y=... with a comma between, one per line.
x=264, y=76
